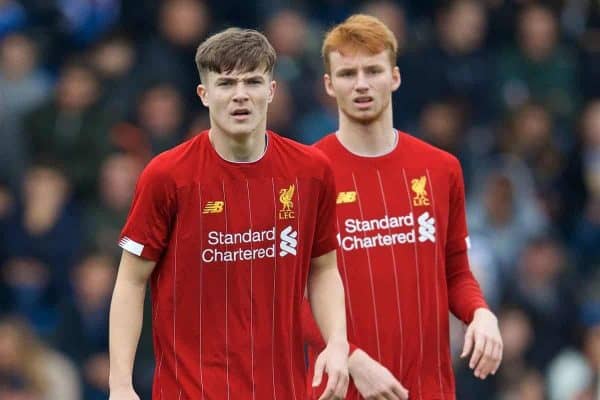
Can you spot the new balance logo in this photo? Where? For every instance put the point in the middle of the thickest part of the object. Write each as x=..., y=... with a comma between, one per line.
x=213, y=207
x=426, y=228
x=346, y=197
x=288, y=242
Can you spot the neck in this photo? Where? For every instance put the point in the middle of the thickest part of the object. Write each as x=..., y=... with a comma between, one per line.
x=240, y=147
x=370, y=139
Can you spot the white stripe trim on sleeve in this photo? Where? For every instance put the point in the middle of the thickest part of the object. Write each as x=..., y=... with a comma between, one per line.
x=131, y=246
x=468, y=242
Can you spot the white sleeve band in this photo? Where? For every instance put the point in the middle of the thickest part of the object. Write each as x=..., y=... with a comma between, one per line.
x=131, y=246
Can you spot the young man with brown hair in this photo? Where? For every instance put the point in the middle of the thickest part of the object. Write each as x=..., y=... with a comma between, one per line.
x=230, y=228
x=403, y=234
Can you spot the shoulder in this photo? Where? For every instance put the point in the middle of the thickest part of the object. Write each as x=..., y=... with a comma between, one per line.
x=309, y=158
x=327, y=143
x=168, y=165
x=430, y=154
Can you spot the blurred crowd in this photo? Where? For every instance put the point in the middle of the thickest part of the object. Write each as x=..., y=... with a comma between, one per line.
x=90, y=90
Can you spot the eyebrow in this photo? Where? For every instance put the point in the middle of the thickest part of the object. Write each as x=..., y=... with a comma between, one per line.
x=249, y=78
x=353, y=69
x=345, y=69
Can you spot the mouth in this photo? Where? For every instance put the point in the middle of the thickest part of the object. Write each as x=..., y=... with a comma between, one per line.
x=240, y=114
x=363, y=101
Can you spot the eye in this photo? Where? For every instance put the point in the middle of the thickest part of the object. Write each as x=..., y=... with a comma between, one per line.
x=345, y=74
x=254, y=82
x=224, y=83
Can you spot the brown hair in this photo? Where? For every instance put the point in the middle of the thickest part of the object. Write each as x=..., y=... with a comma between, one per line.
x=235, y=49
x=360, y=32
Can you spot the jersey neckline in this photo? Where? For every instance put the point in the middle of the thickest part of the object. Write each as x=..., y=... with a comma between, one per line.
x=392, y=153
x=263, y=156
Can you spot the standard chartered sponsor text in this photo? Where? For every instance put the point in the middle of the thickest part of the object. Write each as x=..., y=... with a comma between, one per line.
x=358, y=234
x=264, y=240
x=356, y=225
x=355, y=242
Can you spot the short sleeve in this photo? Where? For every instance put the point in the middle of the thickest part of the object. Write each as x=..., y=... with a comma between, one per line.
x=148, y=224
x=458, y=236
x=326, y=231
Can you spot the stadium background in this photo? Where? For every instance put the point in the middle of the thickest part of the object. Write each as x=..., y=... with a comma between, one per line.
x=90, y=90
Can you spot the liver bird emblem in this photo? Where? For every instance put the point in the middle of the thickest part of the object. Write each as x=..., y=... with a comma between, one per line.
x=418, y=186
x=285, y=197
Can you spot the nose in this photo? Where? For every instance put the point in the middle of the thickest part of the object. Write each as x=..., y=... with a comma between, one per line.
x=361, y=82
x=240, y=95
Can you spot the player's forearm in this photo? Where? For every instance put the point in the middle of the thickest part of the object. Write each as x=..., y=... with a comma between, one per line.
x=126, y=313
x=326, y=296
x=464, y=293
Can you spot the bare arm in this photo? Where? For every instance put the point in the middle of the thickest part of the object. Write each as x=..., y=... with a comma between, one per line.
x=326, y=297
x=125, y=322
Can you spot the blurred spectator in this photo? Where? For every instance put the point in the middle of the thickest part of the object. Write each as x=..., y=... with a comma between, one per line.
x=456, y=65
x=200, y=122
x=540, y=69
x=241, y=13
x=27, y=291
x=295, y=44
x=105, y=218
x=524, y=384
x=71, y=128
x=139, y=18
x=114, y=59
x=518, y=337
x=532, y=137
x=29, y=370
x=443, y=124
x=320, y=119
x=543, y=288
x=158, y=124
x=328, y=12
x=393, y=16
x=582, y=186
x=590, y=55
x=82, y=333
x=46, y=225
x=12, y=17
x=160, y=115
x=85, y=21
x=503, y=209
x=281, y=111
x=486, y=269
x=7, y=204
x=23, y=86
x=287, y=31
x=574, y=373
x=169, y=56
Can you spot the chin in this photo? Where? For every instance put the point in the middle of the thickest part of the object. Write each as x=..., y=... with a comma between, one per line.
x=364, y=118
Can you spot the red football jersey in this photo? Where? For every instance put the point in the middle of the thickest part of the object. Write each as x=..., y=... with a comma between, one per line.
x=233, y=244
x=402, y=257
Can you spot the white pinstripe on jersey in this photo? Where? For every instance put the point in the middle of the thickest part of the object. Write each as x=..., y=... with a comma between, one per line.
x=251, y=295
x=362, y=217
x=274, y=281
x=419, y=311
x=226, y=295
x=437, y=295
x=395, y=267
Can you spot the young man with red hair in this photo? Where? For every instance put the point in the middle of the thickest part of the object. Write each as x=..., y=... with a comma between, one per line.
x=402, y=232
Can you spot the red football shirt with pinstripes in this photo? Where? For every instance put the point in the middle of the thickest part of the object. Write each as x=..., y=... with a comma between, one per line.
x=233, y=244
x=403, y=259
